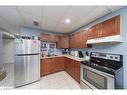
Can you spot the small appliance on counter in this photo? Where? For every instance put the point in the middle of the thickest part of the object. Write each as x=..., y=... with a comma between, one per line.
x=79, y=54
x=65, y=51
x=72, y=53
x=87, y=57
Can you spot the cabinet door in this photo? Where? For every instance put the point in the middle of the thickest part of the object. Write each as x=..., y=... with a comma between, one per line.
x=46, y=67
x=83, y=39
x=99, y=30
x=77, y=71
x=111, y=27
x=92, y=33
x=68, y=66
x=72, y=41
x=63, y=42
x=45, y=37
x=59, y=63
x=77, y=39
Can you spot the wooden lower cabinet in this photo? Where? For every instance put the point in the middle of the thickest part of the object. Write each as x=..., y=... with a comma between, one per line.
x=72, y=67
x=51, y=65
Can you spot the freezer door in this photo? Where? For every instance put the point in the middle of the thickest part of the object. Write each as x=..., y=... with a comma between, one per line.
x=27, y=46
x=33, y=46
x=20, y=70
x=21, y=46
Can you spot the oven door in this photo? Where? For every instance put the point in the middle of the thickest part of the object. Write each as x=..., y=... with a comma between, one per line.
x=96, y=79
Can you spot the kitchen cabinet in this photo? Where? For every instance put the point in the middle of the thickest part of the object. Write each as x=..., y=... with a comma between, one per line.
x=83, y=39
x=78, y=40
x=51, y=65
x=45, y=66
x=72, y=67
x=71, y=41
x=69, y=66
x=77, y=71
x=109, y=27
x=49, y=37
x=58, y=64
x=92, y=33
x=63, y=42
x=45, y=37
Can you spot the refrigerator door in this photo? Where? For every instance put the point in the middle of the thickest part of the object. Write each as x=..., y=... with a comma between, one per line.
x=33, y=46
x=26, y=69
x=21, y=46
x=27, y=46
x=20, y=70
x=33, y=68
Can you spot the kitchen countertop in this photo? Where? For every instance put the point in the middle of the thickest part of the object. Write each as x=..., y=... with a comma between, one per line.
x=68, y=56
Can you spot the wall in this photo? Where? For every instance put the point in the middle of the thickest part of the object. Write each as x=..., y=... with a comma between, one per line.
x=36, y=32
x=8, y=51
x=26, y=31
x=1, y=50
x=117, y=48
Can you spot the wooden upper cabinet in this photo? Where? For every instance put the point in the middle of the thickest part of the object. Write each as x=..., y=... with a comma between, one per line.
x=45, y=37
x=63, y=42
x=111, y=27
x=78, y=40
x=72, y=41
x=92, y=33
x=49, y=37
x=83, y=38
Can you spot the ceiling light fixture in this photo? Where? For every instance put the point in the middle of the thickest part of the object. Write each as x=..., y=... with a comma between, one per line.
x=67, y=20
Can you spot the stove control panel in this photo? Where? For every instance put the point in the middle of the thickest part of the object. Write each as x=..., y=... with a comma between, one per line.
x=114, y=57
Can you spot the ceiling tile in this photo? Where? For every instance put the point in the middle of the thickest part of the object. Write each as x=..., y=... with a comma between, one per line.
x=77, y=12
x=11, y=15
x=52, y=18
x=28, y=20
x=33, y=10
x=55, y=13
x=114, y=8
x=48, y=24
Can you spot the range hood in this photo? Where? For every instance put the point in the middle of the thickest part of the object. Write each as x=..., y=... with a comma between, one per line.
x=109, y=39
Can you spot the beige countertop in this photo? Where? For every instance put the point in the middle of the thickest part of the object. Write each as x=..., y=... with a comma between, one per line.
x=68, y=56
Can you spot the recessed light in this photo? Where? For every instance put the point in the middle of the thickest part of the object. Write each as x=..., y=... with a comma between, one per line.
x=67, y=20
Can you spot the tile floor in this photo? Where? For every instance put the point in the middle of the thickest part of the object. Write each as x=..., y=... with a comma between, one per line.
x=60, y=80
x=8, y=82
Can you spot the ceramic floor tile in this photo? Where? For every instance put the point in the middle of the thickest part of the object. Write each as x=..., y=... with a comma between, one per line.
x=8, y=82
x=60, y=80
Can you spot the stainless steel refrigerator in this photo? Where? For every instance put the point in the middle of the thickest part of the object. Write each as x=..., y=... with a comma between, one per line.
x=27, y=60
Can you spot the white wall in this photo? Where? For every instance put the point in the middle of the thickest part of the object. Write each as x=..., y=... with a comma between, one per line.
x=8, y=51
x=1, y=51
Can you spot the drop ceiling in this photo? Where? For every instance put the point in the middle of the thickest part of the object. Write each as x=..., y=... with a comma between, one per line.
x=51, y=18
